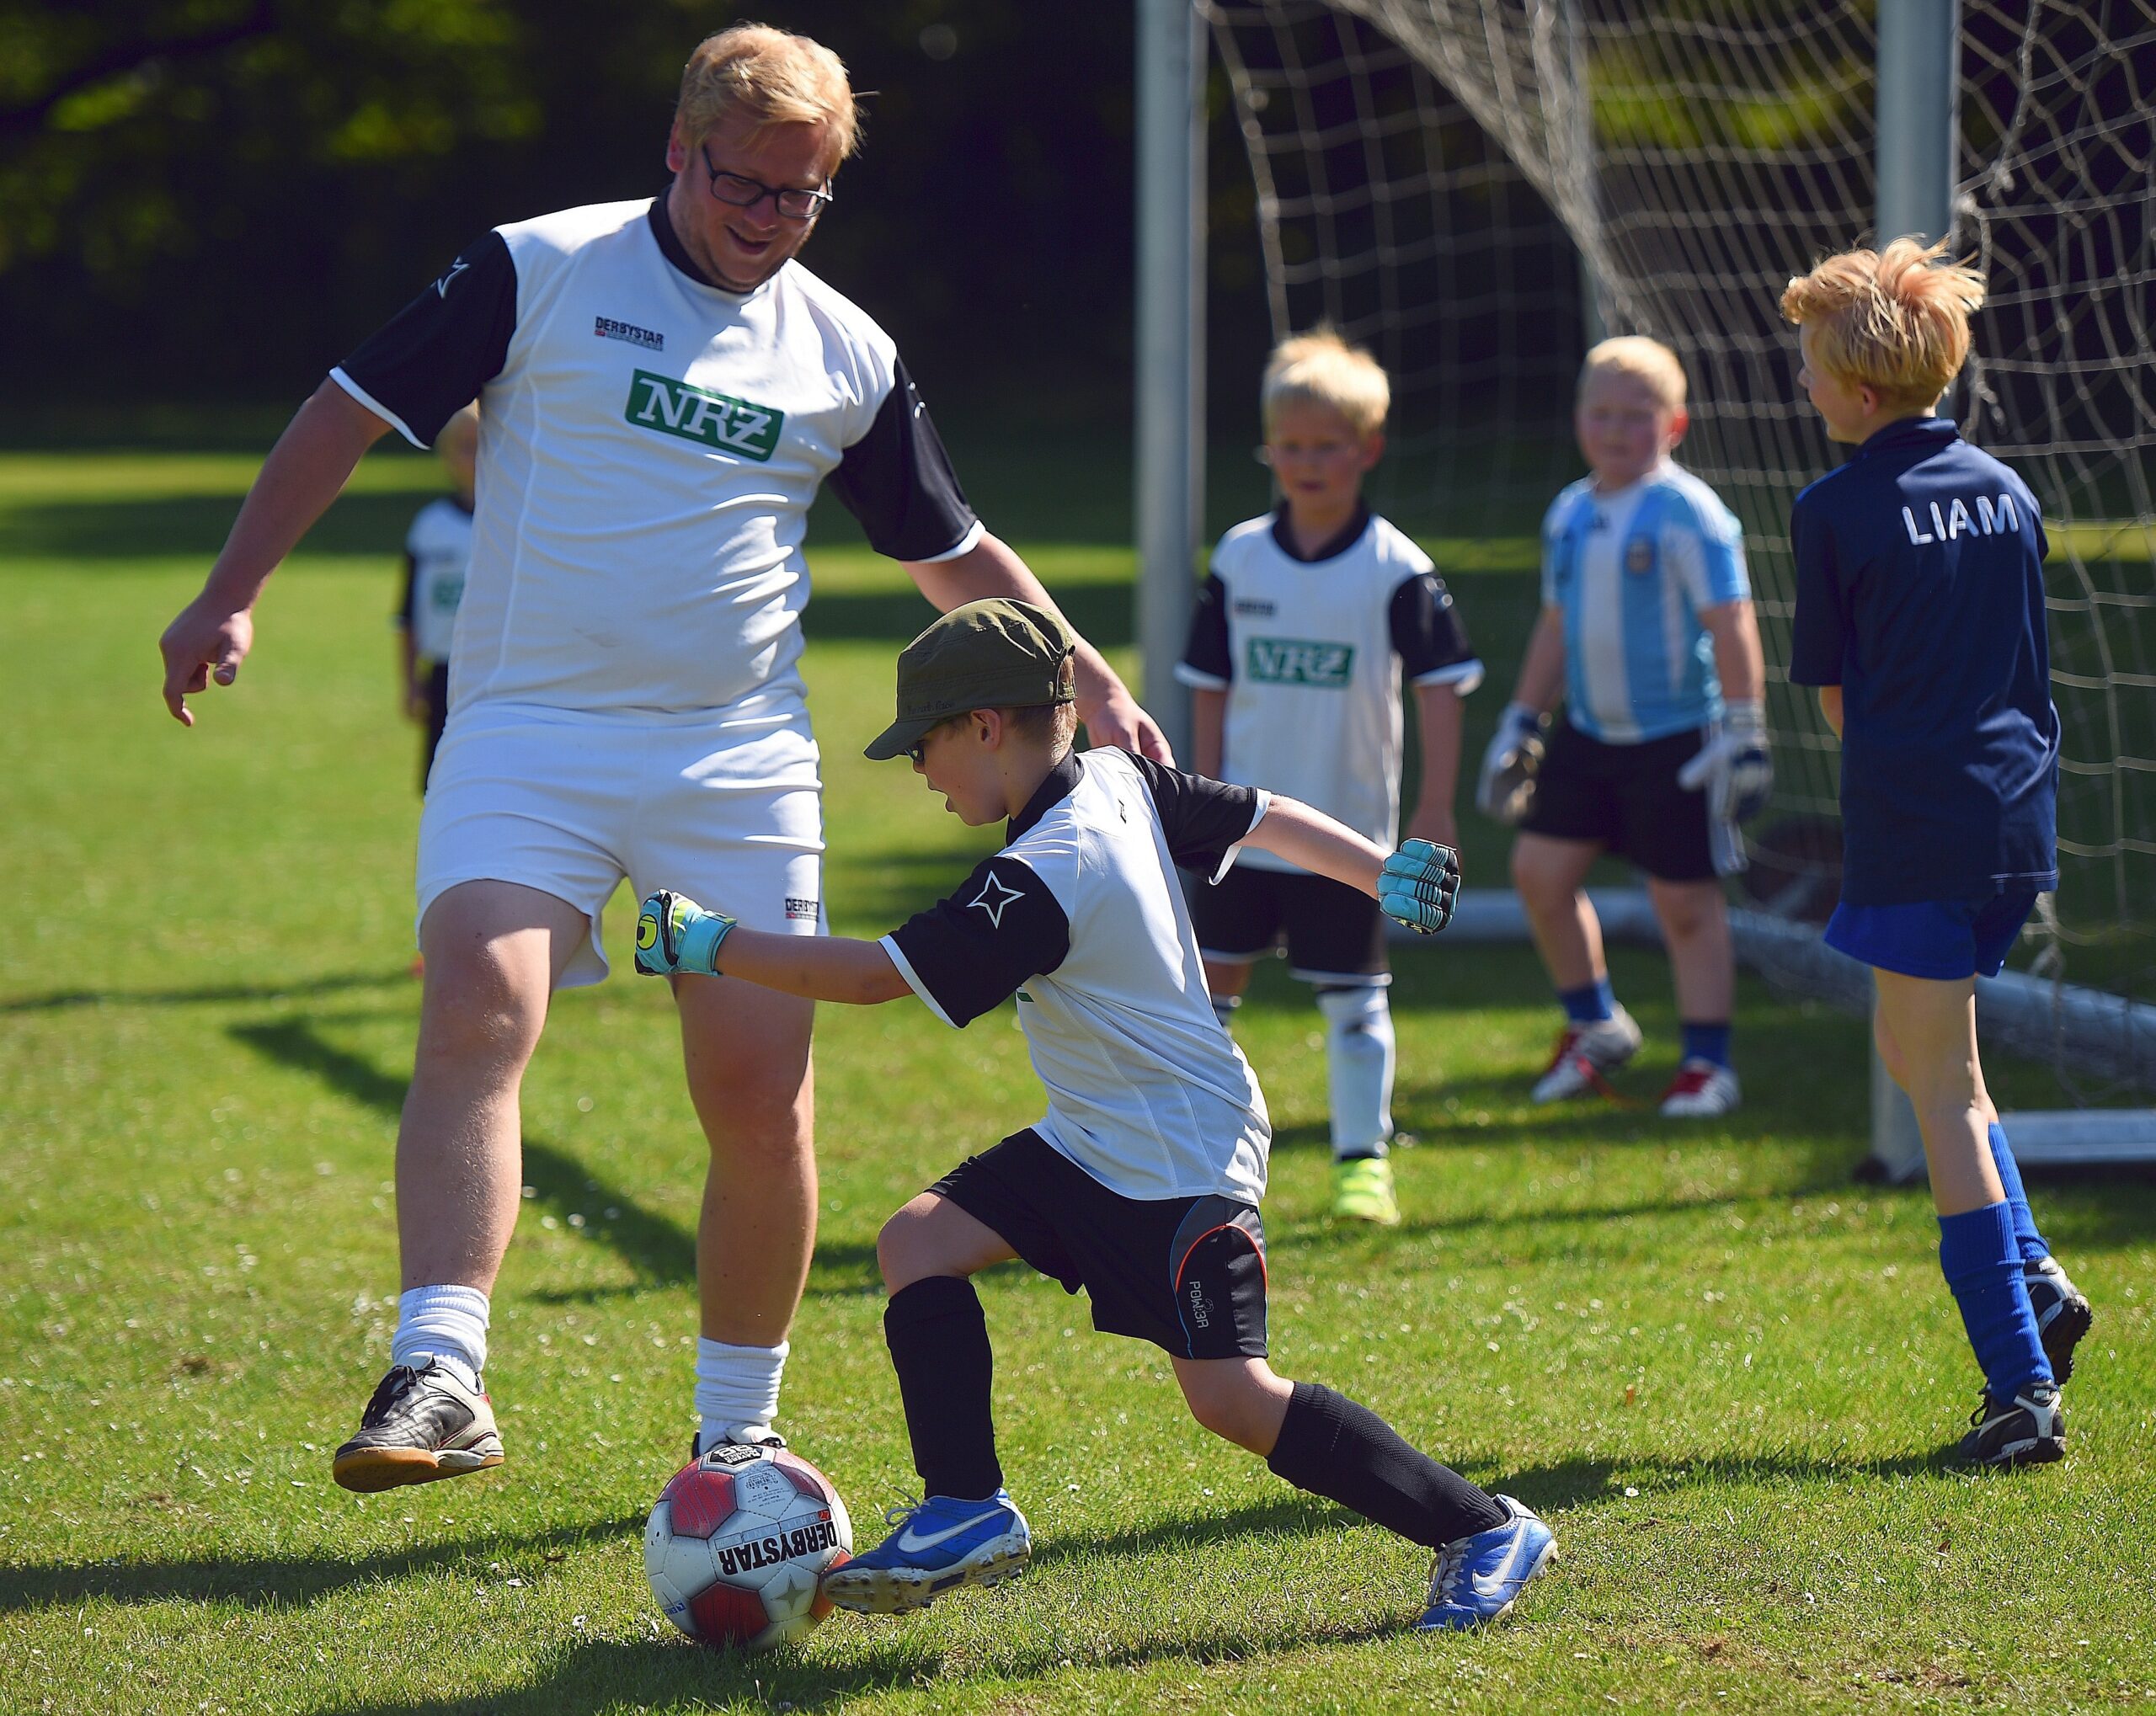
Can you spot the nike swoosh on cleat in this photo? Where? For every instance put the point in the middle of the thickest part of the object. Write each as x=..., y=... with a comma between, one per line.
x=912, y=1544
x=1492, y=1584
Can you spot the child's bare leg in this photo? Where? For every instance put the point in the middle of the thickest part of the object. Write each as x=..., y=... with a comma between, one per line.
x=1928, y=1035
x=938, y=1339
x=1549, y=875
x=1694, y=921
x=1335, y=1447
x=1227, y=978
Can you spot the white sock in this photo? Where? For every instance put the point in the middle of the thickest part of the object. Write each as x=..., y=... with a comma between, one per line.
x=736, y=1385
x=1358, y=1058
x=445, y=1323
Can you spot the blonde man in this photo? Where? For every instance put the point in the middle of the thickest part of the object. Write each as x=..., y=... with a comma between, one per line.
x=1920, y=618
x=1647, y=630
x=1296, y=648
x=663, y=390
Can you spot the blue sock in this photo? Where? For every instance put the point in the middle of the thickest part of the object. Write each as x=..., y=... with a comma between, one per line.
x=1591, y=1003
x=1982, y=1262
x=2009, y=1177
x=1706, y=1043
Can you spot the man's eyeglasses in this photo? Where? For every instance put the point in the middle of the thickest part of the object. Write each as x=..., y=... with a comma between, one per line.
x=742, y=192
x=916, y=751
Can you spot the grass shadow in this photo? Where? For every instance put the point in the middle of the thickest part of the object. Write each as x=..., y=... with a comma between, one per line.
x=59, y=1000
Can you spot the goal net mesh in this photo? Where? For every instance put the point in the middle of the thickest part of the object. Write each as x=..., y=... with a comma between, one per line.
x=1470, y=186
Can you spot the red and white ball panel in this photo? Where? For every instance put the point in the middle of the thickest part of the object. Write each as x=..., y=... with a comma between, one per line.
x=737, y=1542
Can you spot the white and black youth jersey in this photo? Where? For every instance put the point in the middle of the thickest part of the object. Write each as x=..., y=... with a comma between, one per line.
x=1082, y=917
x=649, y=446
x=437, y=549
x=1310, y=652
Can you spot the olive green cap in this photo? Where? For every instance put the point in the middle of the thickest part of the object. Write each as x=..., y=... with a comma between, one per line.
x=999, y=654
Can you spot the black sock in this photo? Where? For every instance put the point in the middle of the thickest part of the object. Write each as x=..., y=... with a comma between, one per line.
x=1340, y=1449
x=939, y=1347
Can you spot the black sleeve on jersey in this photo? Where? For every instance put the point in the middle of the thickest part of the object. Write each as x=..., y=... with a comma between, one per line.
x=1201, y=817
x=973, y=948
x=430, y=361
x=1427, y=633
x=897, y=481
x=407, y=610
x=1819, y=633
x=1207, y=652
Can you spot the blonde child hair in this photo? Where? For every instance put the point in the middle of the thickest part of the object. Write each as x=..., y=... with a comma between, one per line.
x=1895, y=322
x=1642, y=359
x=1321, y=368
x=774, y=77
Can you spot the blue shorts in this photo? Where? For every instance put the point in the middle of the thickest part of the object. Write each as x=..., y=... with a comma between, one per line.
x=1942, y=940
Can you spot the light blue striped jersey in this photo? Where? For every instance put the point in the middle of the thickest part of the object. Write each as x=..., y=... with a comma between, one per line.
x=1631, y=570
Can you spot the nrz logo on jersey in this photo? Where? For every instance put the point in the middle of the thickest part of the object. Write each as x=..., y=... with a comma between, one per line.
x=1295, y=661
x=1256, y=607
x=717, y=420
x=606, y=327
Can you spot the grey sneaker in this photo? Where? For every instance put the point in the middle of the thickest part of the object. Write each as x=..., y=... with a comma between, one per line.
x=421, y=1425
x=1583, y=1054
x=2030, y=1429
x=2063, y=1314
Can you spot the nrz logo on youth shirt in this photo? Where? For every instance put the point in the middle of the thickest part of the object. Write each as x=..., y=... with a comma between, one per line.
x=1295, y=661
x=695, y=414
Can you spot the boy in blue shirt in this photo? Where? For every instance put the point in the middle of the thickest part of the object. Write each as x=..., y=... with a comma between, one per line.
x=1920, y=618
x=1141, y=1182
x=1647, y=628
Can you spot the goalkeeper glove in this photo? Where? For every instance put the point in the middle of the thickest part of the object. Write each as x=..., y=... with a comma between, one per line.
x=1418, y=885
x=1509, y=765
x=675, y=934
x=1733, y=765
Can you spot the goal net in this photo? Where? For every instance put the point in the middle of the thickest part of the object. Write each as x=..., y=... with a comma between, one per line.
x=1474, y=187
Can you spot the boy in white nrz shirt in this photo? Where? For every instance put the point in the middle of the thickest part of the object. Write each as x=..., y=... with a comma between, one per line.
x=1141, y=1182
x=437, y=555
x=1296, y=648
x=1647, y=629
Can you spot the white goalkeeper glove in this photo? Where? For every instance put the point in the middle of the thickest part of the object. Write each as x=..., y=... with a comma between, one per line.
x=1507, y=785
x=675, y=934
x=1733, y=765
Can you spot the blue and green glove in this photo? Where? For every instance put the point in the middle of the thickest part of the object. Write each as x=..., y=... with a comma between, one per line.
x=1418, y=886
x=676, y=936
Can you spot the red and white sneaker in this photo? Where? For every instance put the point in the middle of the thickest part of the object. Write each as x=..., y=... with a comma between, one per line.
x=1701, y=1090
x=1583, y=1054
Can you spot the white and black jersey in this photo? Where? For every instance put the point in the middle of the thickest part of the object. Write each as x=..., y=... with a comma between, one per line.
x=1081, y=917
x=437, y=549
x=649, y=446
x=1310, y=652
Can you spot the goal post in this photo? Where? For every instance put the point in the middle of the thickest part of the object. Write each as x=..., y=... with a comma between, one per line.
x=1436, y=176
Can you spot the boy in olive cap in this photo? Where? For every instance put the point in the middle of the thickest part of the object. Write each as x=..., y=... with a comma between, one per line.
x=1141, y=1183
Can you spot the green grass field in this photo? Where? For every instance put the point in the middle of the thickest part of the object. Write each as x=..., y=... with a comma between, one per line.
x=1727, y=1374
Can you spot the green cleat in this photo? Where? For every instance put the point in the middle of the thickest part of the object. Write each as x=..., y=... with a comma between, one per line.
x=1361, y=1192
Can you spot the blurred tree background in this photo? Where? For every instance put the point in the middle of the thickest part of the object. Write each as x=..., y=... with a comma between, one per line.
x=209, y=202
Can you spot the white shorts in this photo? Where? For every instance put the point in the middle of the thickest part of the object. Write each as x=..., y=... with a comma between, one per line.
x=724, y=806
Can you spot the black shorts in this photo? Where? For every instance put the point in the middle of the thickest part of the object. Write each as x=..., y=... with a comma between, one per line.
x=1626, y=798
x=1186, y=1273
x=1334, y=933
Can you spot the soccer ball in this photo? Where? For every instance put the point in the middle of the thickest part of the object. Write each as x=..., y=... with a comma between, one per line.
x=737, y=1542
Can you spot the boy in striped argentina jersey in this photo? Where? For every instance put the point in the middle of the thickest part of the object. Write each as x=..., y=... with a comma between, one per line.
x=1647, y=628
x=1297, y=645
x=1141, y=1182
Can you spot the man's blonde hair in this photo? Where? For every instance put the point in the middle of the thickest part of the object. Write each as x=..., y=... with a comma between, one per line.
x=1895, y=322
x=1321, y=368
x=1645, y=360
x=775, y=77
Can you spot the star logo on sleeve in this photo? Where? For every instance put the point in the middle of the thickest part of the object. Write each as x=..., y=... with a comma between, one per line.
x=993, y=898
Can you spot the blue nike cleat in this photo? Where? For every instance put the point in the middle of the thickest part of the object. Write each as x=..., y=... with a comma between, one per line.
x=941, y=1543
x=1477, y=1579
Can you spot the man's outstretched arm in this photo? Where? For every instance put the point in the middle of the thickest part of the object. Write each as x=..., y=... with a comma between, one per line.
x=305, y=472
x=992, y=567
